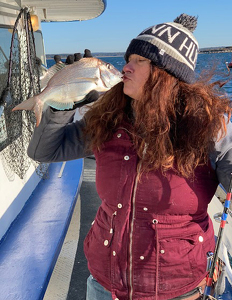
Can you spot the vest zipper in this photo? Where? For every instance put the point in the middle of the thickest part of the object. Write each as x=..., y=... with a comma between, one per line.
x=131, y=235
x=132, y=229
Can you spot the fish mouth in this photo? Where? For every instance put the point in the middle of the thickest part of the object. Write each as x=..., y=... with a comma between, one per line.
x=110, y=83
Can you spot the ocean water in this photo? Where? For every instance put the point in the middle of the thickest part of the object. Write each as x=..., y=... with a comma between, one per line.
x=216, y=61
x=117, y=61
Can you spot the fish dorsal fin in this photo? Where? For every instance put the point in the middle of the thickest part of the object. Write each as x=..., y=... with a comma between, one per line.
x=50, y=73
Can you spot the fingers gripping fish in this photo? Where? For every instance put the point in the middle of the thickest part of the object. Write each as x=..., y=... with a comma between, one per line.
x=71, y=84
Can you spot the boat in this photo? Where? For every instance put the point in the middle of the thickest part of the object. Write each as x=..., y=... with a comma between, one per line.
x=23, y=212
x=16, y=169
x=28, y=189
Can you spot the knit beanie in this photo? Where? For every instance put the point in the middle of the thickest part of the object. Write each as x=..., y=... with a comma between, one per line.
x=170, y=46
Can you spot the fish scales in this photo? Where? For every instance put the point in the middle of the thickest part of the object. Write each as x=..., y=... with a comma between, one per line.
x=71, y=73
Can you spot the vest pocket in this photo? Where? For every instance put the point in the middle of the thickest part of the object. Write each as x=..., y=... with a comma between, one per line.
x=175, y=268
x=97, y=242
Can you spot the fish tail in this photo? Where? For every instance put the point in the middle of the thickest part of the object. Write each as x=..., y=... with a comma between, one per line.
x=33, y=104
x=26, y=105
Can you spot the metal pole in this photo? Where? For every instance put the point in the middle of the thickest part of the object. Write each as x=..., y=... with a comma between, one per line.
x=219, y=239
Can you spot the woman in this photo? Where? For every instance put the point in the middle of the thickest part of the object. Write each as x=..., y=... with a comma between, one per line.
x=162, y=143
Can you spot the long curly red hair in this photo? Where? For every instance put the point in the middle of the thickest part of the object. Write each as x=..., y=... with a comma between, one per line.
x=176, y=122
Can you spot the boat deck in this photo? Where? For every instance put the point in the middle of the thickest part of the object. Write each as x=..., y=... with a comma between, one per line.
x=68, y=281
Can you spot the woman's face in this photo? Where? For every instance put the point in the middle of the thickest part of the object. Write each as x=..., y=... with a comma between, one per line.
x=135, y=74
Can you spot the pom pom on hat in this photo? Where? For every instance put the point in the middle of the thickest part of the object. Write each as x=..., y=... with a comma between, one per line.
x=170, y=46
x=190, y=22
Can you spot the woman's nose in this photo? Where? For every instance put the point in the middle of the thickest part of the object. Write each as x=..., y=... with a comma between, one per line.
x=127, y=68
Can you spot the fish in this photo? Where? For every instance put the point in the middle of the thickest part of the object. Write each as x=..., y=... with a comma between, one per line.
x=50, y=73
x=71, y=84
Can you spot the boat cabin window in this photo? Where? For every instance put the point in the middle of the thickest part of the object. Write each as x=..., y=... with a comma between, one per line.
x=5, y=41
x=39, y=45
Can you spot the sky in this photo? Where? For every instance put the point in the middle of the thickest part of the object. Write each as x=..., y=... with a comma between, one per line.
x=123, y=20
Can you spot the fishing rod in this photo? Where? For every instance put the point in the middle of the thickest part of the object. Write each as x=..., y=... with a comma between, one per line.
x=209, y=281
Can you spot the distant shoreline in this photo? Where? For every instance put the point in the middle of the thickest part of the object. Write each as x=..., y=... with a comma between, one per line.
x=64, y=56
x=121, y=54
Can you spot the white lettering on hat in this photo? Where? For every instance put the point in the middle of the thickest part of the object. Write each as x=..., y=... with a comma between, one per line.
x=183, y=45
x=154, y=29
x=190, y=50
x=170, y=37
x=191, y=58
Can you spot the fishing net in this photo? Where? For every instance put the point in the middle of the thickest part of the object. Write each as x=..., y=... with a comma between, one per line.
x=21, y=82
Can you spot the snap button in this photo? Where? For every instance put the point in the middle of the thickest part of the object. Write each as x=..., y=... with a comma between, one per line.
x=119, y=135
x=201, y=239
x=154, y=221
x=126, y=157
x=145, y=208
x=106, y=242
x=116, y=299
x=119, y=205
x=111, y=230
x=162, y=251
x=142, y=257
x=114, y=253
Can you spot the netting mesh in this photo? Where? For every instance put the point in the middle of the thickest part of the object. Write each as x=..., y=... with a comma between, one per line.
x=22, y=82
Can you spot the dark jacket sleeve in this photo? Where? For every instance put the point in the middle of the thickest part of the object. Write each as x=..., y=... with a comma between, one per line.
x=221, y=157
x=58, y=138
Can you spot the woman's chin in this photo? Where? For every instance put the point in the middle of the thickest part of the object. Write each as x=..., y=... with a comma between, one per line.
x=127, y=92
